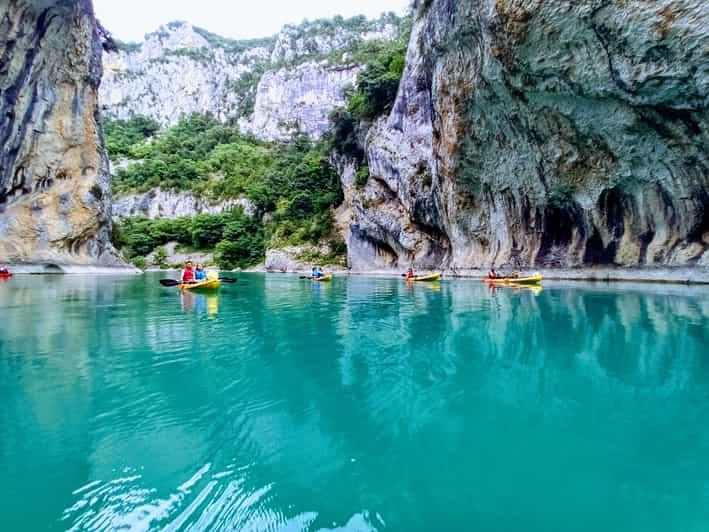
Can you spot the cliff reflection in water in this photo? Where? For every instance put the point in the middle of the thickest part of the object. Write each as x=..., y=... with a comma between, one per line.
x=363, y=399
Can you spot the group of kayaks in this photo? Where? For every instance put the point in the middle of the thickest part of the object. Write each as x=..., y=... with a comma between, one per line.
x=532, y=280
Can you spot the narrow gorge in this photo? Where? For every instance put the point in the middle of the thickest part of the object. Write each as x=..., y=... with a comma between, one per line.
x=466, y=134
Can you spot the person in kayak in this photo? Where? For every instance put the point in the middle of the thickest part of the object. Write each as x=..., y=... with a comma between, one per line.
x=321, y=273
x=200, y=274
x=315, y=274
x=410, y=273
x=492, y=274
x=187, y=275
x=4, y=270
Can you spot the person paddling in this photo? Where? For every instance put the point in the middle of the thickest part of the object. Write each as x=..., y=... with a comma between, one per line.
x=492, y=274
x=315, y=274
x=200, y=274
x=187, y=275
x=410, y=273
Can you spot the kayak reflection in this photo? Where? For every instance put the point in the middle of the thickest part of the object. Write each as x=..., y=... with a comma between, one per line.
x=535, y=289
x=203, y=303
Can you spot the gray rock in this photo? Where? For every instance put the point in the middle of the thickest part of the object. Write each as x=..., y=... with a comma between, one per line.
x=169, y=204
x=178, y=70
x=298, y=98
x=55, y=193
x=556, y=134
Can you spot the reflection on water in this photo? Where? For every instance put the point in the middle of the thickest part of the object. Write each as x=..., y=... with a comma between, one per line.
x=361, y=403
x=203, y=303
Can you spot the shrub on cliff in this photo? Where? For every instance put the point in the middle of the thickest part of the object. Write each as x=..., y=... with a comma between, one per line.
x=121, y=135
x=374, y=96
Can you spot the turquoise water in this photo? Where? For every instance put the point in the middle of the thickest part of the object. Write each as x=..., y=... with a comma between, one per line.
x=362, y=404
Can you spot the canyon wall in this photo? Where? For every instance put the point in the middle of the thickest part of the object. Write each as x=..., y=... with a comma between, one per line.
x=55, y=194
x=530, y=133
x=273, y=86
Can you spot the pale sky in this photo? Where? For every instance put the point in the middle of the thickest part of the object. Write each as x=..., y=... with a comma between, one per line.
x=129, y=20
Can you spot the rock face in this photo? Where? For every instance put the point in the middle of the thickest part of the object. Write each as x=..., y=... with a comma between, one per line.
x=54, y=181
x=542, y=133
x=300, y=98
x=178, y=70
x=158, y=203
x=273, y=85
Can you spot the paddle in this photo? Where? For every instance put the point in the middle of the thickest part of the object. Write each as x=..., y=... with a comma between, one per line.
x=175, y=282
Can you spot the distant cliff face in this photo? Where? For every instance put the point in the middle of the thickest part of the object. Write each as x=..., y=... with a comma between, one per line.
x=178, y=70
x=273, y=85
x=54, y=183
x=542, y=133
x=298, y=98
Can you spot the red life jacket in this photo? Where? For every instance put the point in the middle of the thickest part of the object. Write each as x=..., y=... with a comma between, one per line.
x=188, y=275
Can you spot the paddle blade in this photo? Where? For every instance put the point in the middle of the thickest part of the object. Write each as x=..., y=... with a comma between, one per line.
x=228, y=279
x=169, y=282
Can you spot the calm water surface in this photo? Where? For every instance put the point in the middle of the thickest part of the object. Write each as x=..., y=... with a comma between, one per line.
x=362, y=404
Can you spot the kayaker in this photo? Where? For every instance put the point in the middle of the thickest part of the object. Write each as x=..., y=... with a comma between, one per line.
x=187, y=275
x=321, y=273
x=3, y=270
x=492, y=274
x=200, y=274
x=315, y=274
x=410, y=273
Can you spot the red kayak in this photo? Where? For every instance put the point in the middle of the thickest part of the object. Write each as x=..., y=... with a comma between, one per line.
x=5, y=275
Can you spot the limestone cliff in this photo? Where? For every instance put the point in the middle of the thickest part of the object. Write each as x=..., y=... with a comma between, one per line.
x=170, y=204
x=273, y=85
x=542, y=133
x=54, y=181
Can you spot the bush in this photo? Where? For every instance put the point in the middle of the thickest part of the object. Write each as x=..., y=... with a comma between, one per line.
x=377, y=86
x=139, y=262
x=207, y=230
x=120, y=135
x=243, y=244
x=362, y=176
x=160, y=256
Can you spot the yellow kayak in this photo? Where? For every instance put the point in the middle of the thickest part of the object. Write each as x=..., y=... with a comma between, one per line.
x=432, y=277
x=534, y=279
x=209, y=284
x=322, y=279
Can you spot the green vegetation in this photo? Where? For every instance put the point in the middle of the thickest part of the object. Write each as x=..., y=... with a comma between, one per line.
x=122, y=135
x=293, y=186
x=374, y=96
x=200, y=55
x=246, y=85
x=128, y=47
x=348, y=34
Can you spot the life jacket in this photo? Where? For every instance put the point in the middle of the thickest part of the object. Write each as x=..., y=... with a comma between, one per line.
x=315, y=274
x=200, y=275
x=187, y=275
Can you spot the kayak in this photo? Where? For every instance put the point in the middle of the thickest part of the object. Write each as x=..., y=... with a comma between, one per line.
x=534, y=279
x=432, y=277
x=5, y=275
x=209, y=284
x=323, y=278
